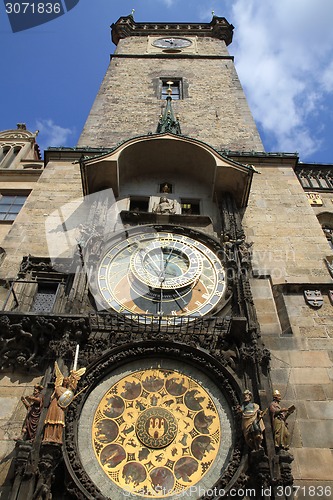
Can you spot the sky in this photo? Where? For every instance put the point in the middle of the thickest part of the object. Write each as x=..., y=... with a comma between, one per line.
x=283, y=51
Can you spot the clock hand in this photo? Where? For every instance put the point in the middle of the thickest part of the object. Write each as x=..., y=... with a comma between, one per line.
x=167, y=261
x=161, y=301
x=182, y=298
x=155, y=265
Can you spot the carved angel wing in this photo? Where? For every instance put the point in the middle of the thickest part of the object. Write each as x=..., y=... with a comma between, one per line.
x=59, y=376
x=77, y=374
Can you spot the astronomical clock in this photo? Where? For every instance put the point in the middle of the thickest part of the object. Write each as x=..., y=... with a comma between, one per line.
x=159, y=313
x=160, y=273
x=159, y=420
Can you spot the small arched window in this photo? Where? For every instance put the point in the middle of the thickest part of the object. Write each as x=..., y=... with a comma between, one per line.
x=9, y=155
x=326, y=222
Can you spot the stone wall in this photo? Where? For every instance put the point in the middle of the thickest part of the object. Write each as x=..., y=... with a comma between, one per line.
x=289, y=244
x=128, y=103
x=59, y=184
x=12, y=415
x=289, y=250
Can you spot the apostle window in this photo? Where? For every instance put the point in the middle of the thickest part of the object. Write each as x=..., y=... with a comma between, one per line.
x=190, y=207
x=139, y=204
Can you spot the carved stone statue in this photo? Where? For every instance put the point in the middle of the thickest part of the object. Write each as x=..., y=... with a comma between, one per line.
x=252, y=423
x=244, y=249
x=34, y=405
x=62, y=397
x=279, y=417
x=165, y=206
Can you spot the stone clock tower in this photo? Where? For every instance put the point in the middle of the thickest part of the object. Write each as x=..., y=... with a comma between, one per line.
x=139, y=312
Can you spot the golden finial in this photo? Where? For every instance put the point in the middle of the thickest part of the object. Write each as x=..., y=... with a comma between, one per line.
x=169, y=90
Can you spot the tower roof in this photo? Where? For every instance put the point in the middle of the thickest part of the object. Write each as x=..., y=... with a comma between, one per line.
x=217, y=28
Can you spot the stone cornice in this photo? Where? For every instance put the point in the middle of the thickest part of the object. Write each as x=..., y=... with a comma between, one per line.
x=217, y=28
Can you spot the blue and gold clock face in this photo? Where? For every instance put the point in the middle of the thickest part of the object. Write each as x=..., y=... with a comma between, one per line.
x=161, y=273
x=156, y=432
x=155, y=428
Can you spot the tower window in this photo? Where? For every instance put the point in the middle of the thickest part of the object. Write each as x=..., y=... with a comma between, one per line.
x=3, y=152
x=190, y=207
x=328, y=231
x=45, y=297
x=8, y=155
x=10, y=205
x=173, y=84
x=139, y=204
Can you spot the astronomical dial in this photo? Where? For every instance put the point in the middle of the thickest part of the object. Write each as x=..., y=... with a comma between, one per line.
x=171, y=266
x=156, y=433
x=172, y=43
x=155, y=428
x=161, y=273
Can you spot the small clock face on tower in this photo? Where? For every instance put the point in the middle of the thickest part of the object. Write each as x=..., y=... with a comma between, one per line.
x=161, y=273
x=172, y=43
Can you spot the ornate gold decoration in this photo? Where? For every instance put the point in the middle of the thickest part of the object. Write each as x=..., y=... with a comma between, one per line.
x=156, y=427
x=314, y=199
x=156, y=432
x=163, y=274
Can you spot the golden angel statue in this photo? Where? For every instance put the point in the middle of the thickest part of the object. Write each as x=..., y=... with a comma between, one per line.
x=63, y=395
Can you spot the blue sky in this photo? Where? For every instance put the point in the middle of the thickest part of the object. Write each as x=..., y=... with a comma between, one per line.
x=283, y=54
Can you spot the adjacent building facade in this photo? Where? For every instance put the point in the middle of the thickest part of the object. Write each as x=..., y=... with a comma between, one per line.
x=159, y=283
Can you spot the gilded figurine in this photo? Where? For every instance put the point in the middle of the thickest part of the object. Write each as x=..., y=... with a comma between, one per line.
x=34, y=406
x=166, y=188
x=252, y=423
x=63, y=395
x=279, y=417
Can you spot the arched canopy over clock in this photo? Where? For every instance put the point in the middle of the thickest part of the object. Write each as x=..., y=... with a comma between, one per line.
x=174, y=155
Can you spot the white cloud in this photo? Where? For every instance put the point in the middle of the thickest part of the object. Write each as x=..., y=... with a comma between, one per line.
x=283, y=54
x=327, y=77
x=52, y=135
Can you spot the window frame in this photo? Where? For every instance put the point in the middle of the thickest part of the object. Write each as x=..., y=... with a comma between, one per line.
x=177, y=84
x=140, y=200
x=12, y=194
x=192, y=202
x=42, y=286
